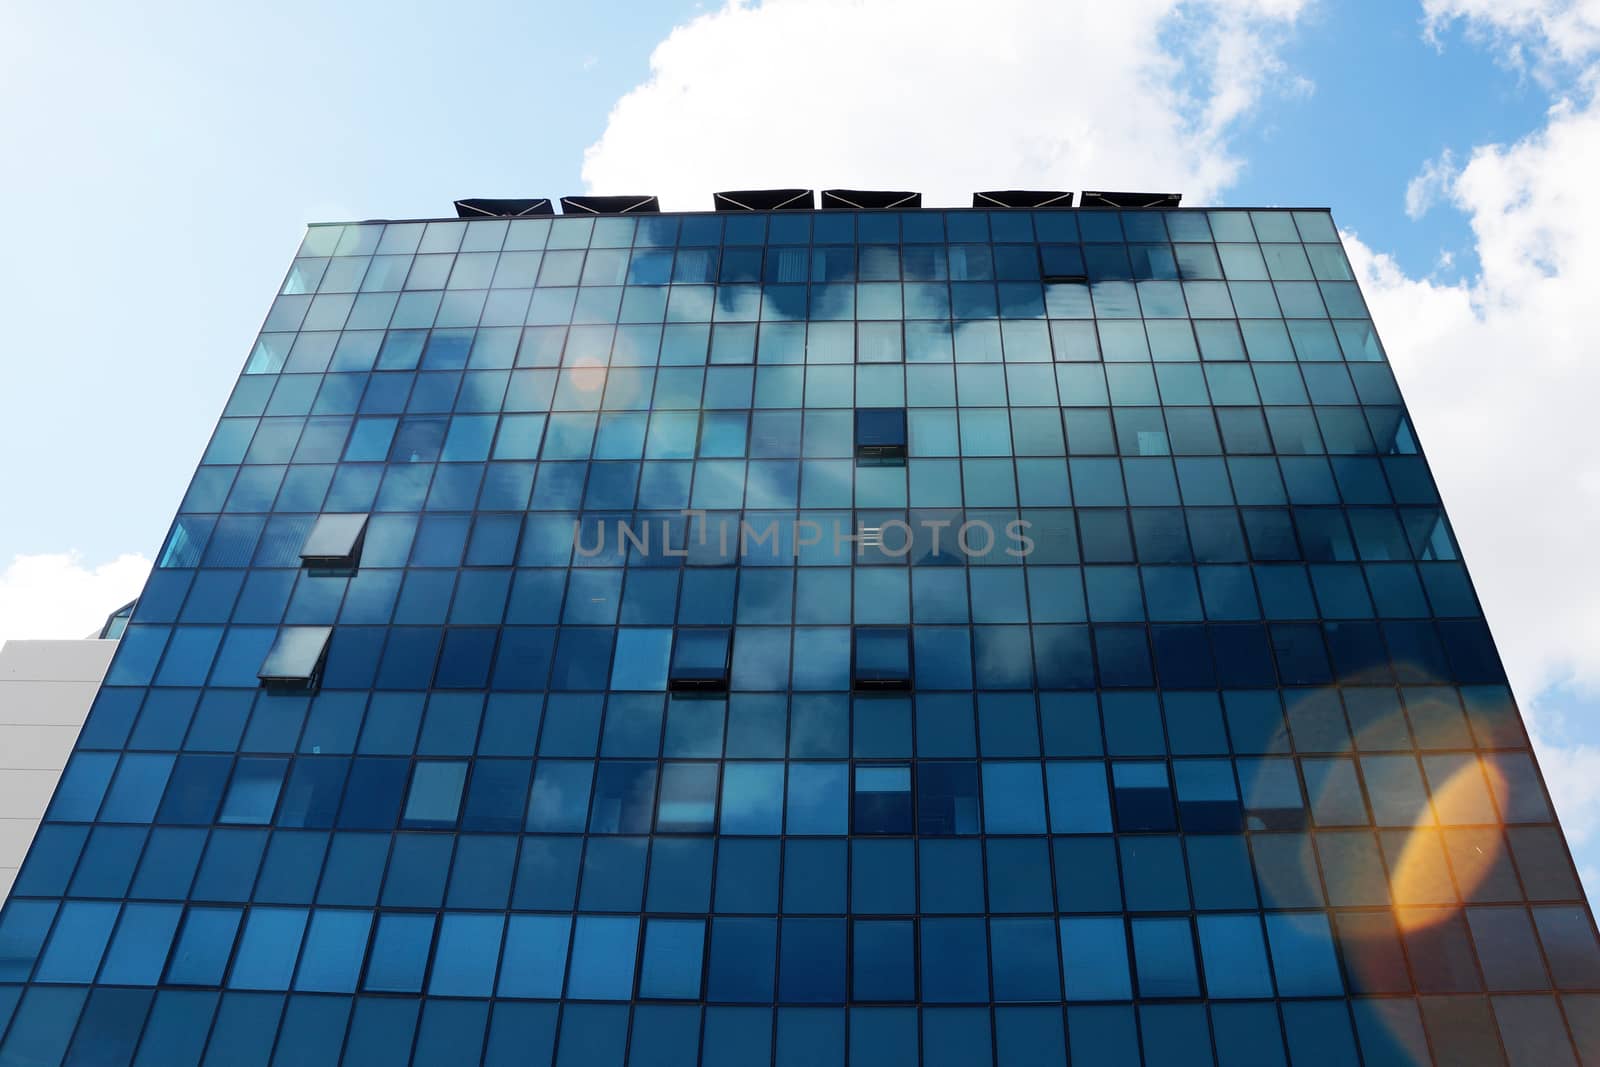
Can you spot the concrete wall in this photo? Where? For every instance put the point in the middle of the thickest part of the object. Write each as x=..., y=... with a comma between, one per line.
x=46, y=688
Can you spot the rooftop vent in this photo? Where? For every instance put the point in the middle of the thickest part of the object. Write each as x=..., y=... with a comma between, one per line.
x=868, y=199
x=764, y=200
x=478, y=208
x=1023, y=198
x=1106, y=199
x=610, y=205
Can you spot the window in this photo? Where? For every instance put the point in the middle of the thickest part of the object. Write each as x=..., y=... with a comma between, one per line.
x=334, y=541
x=296, y=657
x=882, y=658
x=673, y=951
x=688, y=798
x=435, y=797
x=253, y=796
x=882, y=800
x=1013, y=798
x=1163, y=950
x=1062, y=263
x=700, y=661
x=1208, y=799
x=1143, y=797
x=624, y=798
x=603, y=951
x=399, y=953
x=880, y=433
x=947, y=803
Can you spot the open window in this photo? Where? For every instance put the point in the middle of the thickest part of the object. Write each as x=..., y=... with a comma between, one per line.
x=334, y=542
x=701, y=661
x=1062, y=263
x=479, y=207
x=882, y=798
x=1134, y=200
x=880, y=433
x=882, y=658
x=868, y=199
x=1208, y=797
x=1022, y=198
x=295, y=660
x=764, y=200
x=117, y=622
x=610, y=205
x=1143, y=797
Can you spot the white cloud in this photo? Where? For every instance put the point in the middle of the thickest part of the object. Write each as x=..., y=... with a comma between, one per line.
x=944, y=97
x=1431, y=184
x=1537, y=35
x=57, y=596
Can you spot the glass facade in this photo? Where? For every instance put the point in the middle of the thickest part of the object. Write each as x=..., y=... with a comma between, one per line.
x=893, y=638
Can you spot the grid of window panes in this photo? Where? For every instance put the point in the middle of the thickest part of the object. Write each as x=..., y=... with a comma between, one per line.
x=1206, y=755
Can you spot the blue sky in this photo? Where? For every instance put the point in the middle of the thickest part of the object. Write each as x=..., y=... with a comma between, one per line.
x=164, y=159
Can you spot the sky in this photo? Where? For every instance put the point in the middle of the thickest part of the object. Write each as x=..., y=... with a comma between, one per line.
x=161, y=160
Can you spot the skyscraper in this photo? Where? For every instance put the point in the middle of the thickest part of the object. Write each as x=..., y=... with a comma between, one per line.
x=869, y=634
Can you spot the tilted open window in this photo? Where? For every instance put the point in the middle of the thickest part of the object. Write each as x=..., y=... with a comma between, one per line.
x=882, y=799
x=882, y=658
x=701, y=661
x=335, y=542
x=880, y=433
x=1062, y=263
x=296, y=657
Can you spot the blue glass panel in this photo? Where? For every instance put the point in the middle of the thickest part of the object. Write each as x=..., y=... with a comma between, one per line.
x=268, y=948
x=204, y=947
x=1164, y=958
x=1094, y=959
x=399, y=953
x=336, y=944
x=1025, y=964
x=138, y=952
x=954, y=953
x=743, y=956
x=812, y=961
x=1234, y=956
x=603, y=958
x=1013, y=798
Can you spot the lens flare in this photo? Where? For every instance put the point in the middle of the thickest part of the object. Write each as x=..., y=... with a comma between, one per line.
x=1421, y=865
x=587, y=375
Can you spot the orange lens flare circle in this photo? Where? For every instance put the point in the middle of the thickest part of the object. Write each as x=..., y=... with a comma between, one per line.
x=1417, y=863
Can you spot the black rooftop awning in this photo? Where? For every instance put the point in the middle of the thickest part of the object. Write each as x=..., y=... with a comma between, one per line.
x=479, y=207
x=868, y=199
x=1023, y=198
x=764, y=200
x=610, y=205
x=1142, y=200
